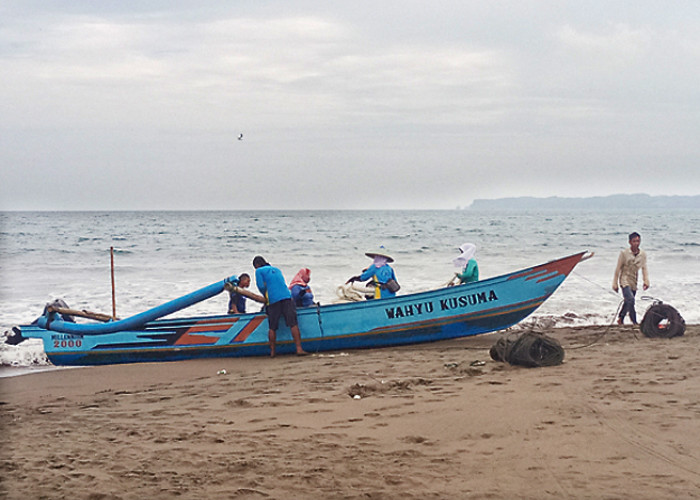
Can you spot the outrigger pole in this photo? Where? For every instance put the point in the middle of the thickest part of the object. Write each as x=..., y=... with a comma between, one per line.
x=114, y=299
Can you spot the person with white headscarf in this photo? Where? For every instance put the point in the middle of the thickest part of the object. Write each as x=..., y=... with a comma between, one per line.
x=469, y=269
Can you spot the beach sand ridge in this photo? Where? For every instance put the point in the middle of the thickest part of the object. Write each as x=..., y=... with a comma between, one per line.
x=619, y=419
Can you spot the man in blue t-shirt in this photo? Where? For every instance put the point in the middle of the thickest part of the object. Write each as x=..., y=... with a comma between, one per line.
x=272, y=286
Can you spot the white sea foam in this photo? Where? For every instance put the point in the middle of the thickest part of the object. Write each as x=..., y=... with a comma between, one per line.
x=29, y=353
x=163, y=255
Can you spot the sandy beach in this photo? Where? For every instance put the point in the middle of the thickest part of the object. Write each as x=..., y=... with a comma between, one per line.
x=619, y=419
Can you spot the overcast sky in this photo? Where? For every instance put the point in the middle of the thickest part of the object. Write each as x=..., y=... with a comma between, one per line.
x=363, y=104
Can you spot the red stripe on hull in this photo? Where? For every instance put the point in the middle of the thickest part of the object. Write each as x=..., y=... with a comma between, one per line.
x=249, y=328
x=210, y=328
x=550, y=270
x=213, y=325
x=188, y=339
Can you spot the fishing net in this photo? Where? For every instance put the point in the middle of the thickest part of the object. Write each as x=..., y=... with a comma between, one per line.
x=530, y=349
x=662, y=320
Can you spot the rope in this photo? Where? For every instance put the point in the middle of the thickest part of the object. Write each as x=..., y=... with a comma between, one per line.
x=596, y=284
x=605, y=332
x=349, y=293
x=320, y=325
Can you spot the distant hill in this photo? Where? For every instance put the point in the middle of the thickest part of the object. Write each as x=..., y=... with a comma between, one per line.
x=612, y=202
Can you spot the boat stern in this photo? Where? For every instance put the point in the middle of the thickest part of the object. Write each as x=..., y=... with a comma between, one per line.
x=14, y=336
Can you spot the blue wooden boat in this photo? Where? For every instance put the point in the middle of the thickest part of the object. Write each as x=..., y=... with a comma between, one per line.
x=457, y=311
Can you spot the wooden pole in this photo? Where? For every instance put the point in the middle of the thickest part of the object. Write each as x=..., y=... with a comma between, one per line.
x=247, y=293
x=82, y=313
x=114, y=299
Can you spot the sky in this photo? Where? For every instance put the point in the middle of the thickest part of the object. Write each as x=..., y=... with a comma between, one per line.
x=138, y=105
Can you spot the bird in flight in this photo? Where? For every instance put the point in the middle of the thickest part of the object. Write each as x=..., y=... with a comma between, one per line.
x=240, y=137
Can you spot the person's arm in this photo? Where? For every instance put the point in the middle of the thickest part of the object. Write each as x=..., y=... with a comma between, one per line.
x=472, y=271
x=618, y=270
x=260, y=282
x=308, y=298
x=368, y=273
x=645, y=272
x=467, y=275
x=462, y=276
x=296, y=294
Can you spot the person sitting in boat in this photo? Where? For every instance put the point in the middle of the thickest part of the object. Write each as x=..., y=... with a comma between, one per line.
x=469, y=269
x=302, y=296
x=236, y=303
x=381, y=273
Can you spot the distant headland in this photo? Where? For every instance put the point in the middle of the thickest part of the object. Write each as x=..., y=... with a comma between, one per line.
x=612, y=202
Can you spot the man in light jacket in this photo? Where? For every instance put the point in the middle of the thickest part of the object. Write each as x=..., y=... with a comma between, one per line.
x=630, y=261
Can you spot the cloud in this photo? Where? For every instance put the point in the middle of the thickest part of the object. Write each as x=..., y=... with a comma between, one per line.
x=619, y=42
x=283, y=67
x=450, y=102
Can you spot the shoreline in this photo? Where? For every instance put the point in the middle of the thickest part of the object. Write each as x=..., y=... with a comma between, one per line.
x=619, y=419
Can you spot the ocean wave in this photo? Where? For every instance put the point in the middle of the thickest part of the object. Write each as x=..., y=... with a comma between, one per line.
x=165, y=255
x=28, y=353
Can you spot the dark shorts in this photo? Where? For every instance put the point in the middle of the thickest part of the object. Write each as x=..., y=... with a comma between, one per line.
x=282, y=308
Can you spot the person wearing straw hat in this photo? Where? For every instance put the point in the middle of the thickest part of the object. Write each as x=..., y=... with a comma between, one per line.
x=381, y=273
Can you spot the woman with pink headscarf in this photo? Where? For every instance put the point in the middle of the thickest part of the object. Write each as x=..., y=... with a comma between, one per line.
x=301, y=292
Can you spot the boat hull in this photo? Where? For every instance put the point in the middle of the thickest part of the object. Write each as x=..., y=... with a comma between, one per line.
x=451, y=312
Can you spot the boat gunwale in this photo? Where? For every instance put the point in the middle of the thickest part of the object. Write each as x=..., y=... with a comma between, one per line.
x=365, y=304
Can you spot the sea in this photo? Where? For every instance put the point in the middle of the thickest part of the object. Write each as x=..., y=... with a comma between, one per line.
x=159, y=256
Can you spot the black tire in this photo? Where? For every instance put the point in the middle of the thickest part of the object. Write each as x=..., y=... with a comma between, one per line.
x=662, y=321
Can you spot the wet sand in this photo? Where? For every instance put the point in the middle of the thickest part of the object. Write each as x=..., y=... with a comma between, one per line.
x=619, y=419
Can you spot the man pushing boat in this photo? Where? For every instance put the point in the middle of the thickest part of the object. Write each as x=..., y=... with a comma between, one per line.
x=273, y=287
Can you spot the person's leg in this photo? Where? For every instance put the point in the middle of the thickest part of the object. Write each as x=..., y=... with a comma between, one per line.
x=272, y=337
x=630, y=308
x=628, y=305
x=296, y=335
x=290, y=317
x=273, y=318
x=623, y=309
